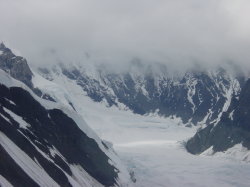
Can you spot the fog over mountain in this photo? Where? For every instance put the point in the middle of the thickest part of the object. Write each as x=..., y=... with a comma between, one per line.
x=125, y=93
x=177, y=32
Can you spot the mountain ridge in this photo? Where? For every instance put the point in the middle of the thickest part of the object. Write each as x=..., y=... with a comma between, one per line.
x=191, y=97
x=41, y=137
x=215, y=99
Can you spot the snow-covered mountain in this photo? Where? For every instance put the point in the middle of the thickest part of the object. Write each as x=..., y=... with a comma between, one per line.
x=44, y=143
x=42, y=111
x=201, y=97
x=195, y=97
x=233, y=129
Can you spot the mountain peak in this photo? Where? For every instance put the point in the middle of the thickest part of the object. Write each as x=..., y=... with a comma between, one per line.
x=16, y=66
x=2, y=45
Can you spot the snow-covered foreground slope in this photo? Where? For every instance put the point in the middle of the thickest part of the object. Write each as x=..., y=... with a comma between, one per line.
x=43, y=143
x=151, y=146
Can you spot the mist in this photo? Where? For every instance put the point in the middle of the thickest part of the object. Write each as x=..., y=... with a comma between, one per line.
x=178, y=33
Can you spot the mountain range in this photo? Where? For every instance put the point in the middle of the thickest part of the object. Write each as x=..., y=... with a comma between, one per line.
x=42, y=119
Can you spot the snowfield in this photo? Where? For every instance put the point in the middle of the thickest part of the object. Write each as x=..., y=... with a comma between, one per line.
x=151, y=146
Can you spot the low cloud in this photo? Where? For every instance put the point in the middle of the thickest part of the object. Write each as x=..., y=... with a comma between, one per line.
x=176, y=32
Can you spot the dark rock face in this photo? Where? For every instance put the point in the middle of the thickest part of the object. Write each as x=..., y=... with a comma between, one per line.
x=19, y=69
x=194, y=97
x=48, y=130
x=16, y=66
x=233, y=128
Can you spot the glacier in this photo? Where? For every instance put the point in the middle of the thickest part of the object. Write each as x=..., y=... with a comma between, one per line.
x=152, y=146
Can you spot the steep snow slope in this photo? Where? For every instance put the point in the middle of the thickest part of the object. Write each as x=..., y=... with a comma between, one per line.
x=45, y=143
x=152, y=146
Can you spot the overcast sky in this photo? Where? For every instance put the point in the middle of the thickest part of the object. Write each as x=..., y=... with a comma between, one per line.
x=168, y=31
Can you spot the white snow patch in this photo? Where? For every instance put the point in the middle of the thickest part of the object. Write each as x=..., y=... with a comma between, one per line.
x=38, y=150
x=234, y=88
x=147, y=143
x=82, y=178
x=4, y=182
x=18, y=119
x=55, y=91
x=191, y=85
x=26, y=163
x=231, y=115
x=11, y=102
x=237, y=152
x=208, y=152
x=54, y=152
x=7, y=119
x=203, y=122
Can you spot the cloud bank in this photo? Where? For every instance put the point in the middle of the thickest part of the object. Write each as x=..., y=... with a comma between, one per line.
x=176, y=32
